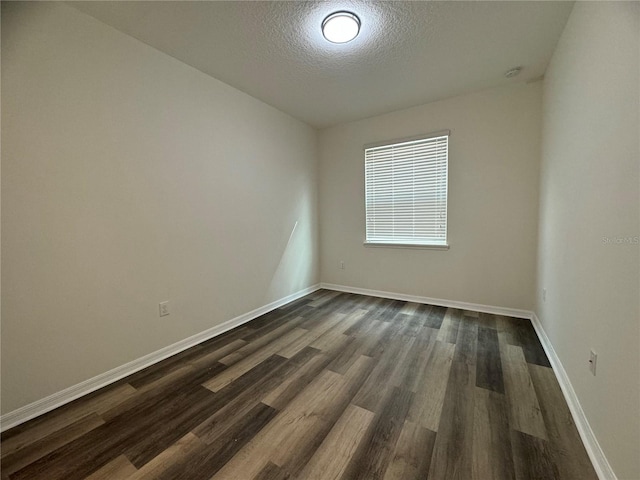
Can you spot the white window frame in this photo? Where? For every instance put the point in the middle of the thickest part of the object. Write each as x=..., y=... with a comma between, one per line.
x=424, y=242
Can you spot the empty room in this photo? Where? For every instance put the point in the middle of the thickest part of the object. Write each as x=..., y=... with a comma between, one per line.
x=320, y=240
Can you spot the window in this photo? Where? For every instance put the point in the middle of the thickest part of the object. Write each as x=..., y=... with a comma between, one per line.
x=406, y=191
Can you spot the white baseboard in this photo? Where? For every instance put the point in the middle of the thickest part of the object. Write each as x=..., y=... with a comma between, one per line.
x=597, y=456
x=67, y=395
x=475, y=307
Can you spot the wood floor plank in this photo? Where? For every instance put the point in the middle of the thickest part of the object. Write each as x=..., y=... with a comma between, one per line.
x=85, y=455
x=326, y=297
x=435, y=316
x=237, y=369
x=280, y=396
x=227, y=445
x=313, y=334
x=240, y=396
x=452, y=452
x=427, y=406
x=165, y=367
x=412, y=455
x=524, y=336
x=334, y=454
x=449, y=327
x=406, y=364
x=492, y=456
x=566, y=448
x=316, y=315
x=261, y=342
x=410, y=308
x=358, y=329
x=312, y=413
x=218, y=354
x=189, y=356
x=489, y=367
x=415, y=362
x=363, y=343
x=360, y=344
x=295, y=305
x=201, y=460
x=119, y=468
x=273, y=320
x=166, y=460
x=350, y=302
x=413, y=325
x=67, y=415
x=487, y=320
x=523, y=407
x=145, y=428
x=370, y=304
x=271, y=471
x=171, y=377
x=532, y=457
x=152, y=395
x=376, y=450
x=30, y=453
x=319, y=418
x=188, y=413
x=388, y=311
x=330, y=338
x=372, y=393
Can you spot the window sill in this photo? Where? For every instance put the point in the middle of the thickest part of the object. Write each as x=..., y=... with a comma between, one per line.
x=406, y=245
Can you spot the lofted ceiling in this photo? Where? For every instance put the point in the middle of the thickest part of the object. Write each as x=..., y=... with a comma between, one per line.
x=407, y=53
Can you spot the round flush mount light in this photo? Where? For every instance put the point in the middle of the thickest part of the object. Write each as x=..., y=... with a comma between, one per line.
x=341, y=27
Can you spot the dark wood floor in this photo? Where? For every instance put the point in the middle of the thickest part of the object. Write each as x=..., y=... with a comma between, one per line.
x=332, y=386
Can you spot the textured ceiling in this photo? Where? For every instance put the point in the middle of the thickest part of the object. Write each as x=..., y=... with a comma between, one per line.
x=407, y=53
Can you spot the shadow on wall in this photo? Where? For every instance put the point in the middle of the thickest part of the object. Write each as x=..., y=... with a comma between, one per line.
x=294, y=270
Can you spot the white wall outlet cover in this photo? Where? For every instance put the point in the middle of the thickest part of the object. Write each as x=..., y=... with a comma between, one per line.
x=164, y=308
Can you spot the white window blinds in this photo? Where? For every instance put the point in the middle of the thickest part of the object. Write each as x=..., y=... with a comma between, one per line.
x=406, y=192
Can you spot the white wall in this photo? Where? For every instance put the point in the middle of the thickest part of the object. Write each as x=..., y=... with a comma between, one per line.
x=129, y=178
x=492, y=206
x=590, y=190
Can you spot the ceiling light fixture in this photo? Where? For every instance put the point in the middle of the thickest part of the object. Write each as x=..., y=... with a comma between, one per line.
x=341, y=27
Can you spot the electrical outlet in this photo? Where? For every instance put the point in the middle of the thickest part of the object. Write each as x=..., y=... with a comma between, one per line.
x=593, y=359
x=341, y=264
x=544, y=294
x=164, y=308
